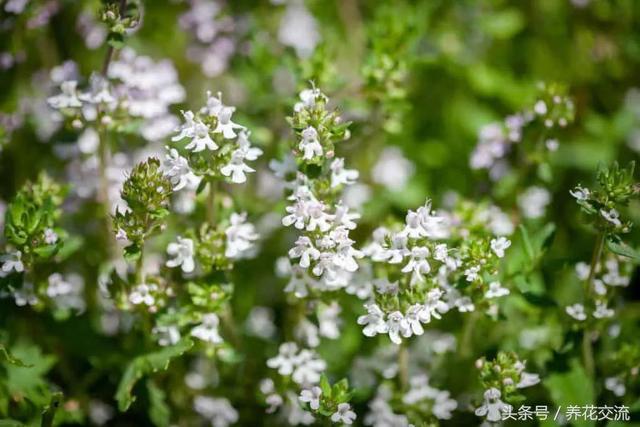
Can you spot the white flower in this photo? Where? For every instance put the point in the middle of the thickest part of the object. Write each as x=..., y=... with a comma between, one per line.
x=471, y=273
x=201, y=138
x=309, y=368
x=374, y=321
x=493, y=407
x=236, y=168
x=540, y=108
x=418, y=264
x=433, y=306
x=225, y=125
x=602, y=312
x=499, y=245
x=58, y=286
x=312, y=397
x=527, y=380
x=576, y=311
x=250, y=153
x=340, y=175
x=286, y=359
x=613, y=216
x=304, y=250
x=177, y=169
x=294, y=412
x=50, y=236
x=552, y=144
x=25, y=295
x=309, y=144
x=392, y=169
x=299, y=30
x=496, y=290
x=208, y=329
x=413, y=318
x=182, y=250
x=68, y=98
x=344, y=414
x=345, y=218
x=580, y=193
x=308, y=99
x=240, y=236
x=534, y=201
x=260, y=322
x=329, y=320
x=187, y=129
x=141, y=294
x=99, y=93
x=616, y=385
x=397, y=325
x=11, y=262
x=217, y=410
x=274, y=401
x=167, y=335
x=582, y=270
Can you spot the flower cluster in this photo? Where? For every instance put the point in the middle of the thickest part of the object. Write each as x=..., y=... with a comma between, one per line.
x=552, y=110
x=304, y=366
x=136, y=93
x=316, y=395
x=604, y=204
x=323, y=257
x=329, y=401
x=212, y=31
x=216, y=146
x=502, y=379
x=614, y=272
x=419, y=275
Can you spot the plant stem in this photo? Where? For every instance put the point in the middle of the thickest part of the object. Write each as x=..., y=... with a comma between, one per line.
x=587, y=348
x=212, y=209
x=403, y=365
x=467, y=335
x=104, y=154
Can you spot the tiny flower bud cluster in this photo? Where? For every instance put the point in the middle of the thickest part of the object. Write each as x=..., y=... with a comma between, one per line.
x=502, y=378
x=552, y=109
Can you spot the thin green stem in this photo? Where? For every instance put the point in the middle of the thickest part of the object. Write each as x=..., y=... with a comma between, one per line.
x=587, y=347
x=467, y=335
x=212, y=208
x=403, y=365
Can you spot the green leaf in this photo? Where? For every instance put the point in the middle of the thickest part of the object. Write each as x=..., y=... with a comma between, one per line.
x=325, y=386
x=571, y=388
x=30, y=382
x=47, y=251
x=132, y=252
x=528, y=249
x=6, y=356
x=159, y=411
x=116, y=40
x=10, y=423
x=69, y=247
x=144, y=365
x=624, y=250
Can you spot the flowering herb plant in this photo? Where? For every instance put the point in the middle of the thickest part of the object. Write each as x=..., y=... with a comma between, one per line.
x=292, y=212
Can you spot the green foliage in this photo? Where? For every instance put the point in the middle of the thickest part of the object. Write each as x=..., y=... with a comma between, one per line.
x=33, y=214
x=144, y=365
